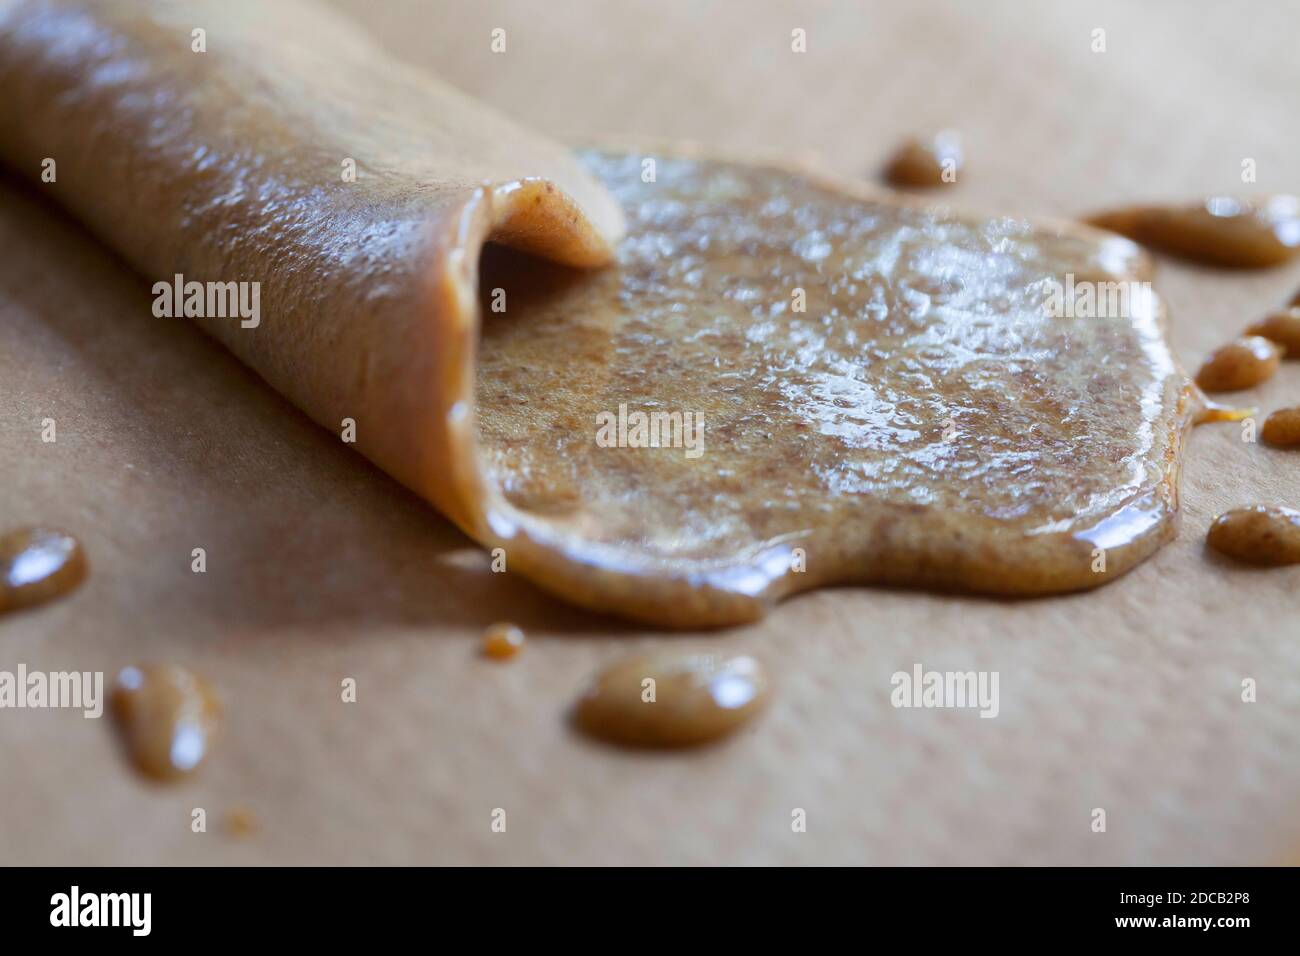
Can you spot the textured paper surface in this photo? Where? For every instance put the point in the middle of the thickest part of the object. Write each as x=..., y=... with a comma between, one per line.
x=320, y=567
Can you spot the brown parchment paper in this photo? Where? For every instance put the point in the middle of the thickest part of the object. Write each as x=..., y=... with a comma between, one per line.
x=321, y=568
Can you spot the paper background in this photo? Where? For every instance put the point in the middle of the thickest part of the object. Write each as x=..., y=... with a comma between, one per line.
x=320, y=567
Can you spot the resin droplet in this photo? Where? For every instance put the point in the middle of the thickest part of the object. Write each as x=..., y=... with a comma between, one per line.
x=673, y=700
x=1282, y=428
x=241, y=822
x=1242, y=364
x=1281, y=327
x=1244, y=233
x=1260, y=534
x=926, y=162
x=168, y=716
x=38, y=565
x=502, y=641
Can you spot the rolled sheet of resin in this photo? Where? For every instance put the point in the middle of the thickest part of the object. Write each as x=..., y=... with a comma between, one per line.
x=848, y=389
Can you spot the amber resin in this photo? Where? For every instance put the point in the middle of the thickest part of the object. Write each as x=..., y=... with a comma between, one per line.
x=1243, y=363
x=885, y=397
x=1259, y=534
x=1250, y=233
x=168, y=716
x=502, y=640
x=926, y=162
x=38, y=565
x=673, y=699
x=1282, y=327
